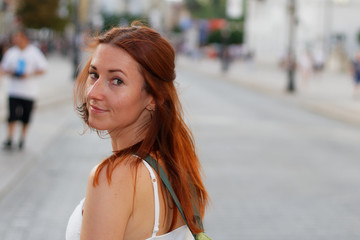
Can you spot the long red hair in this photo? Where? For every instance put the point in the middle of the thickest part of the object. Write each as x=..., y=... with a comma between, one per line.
x=167, y=136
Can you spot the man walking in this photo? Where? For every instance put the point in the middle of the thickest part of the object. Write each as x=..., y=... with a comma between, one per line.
x=23, y=62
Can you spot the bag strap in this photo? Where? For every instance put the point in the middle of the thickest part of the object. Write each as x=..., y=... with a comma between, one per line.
x=157, y=167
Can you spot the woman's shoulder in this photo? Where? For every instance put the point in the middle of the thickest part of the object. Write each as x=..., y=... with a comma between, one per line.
x=109, y=200
x=113, y=173
x=127, y=174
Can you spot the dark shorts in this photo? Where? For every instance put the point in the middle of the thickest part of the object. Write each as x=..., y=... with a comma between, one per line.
x=20, y=109
x=357, y=78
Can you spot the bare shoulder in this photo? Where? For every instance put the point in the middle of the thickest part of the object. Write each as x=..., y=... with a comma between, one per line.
x=109, y=204
x=118, y=182
x=123, y=171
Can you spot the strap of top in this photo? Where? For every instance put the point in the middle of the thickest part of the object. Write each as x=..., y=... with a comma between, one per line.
x=156, y=198
x=167, y=184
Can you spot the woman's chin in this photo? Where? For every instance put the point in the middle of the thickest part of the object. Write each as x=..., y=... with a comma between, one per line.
x=97, y=126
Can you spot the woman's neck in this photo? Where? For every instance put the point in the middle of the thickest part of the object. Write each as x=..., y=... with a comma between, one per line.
x=122, y=141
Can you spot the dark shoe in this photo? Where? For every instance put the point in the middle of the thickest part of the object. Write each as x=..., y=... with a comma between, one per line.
x=21, y=144
x=7, y=145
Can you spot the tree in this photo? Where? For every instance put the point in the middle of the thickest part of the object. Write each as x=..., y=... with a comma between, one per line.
x=114, y=20
x=210, y=9
x=41, y=14
x=206, y=8
x=217, y=36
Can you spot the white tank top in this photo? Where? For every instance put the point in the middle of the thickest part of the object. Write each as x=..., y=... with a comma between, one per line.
x=181, y=233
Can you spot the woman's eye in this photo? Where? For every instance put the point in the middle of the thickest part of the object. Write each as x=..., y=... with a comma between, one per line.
x=93, y=75
x=117, y=81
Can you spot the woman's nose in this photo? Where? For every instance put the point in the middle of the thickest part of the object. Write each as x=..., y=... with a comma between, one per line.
x=96, y=90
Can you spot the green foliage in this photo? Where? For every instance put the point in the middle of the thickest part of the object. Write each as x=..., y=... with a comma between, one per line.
x=358, y=37
x=41, y=14
x=176, y=29
x=215, y=37
x=232, y=37
x=112, y=20
x=206, y=9
x=236, y=37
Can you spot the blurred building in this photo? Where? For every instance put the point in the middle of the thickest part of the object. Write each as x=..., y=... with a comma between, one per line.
x=325, y=25
x=157, y=11
x=7, y=16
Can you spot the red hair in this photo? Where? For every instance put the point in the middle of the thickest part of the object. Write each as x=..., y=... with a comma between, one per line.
x=167, y=136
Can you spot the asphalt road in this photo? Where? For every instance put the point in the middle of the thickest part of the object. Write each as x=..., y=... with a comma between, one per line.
x=273, y=171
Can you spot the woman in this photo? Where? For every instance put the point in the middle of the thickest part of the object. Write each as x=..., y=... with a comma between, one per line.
x=127, y=89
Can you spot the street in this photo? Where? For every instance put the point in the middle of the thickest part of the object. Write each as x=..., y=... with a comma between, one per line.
x=273, y=170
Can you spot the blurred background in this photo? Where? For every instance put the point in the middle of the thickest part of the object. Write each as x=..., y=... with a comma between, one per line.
x=268, y=88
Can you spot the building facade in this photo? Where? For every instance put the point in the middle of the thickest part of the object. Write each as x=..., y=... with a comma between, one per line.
x=328, y=25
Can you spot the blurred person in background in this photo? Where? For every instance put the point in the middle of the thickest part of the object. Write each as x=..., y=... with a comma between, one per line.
x=127, y=90
x=319, y=59
x=23, y=63
x=305, y=64
x=356, y=73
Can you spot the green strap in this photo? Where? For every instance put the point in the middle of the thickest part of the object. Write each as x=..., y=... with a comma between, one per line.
x=153, y=163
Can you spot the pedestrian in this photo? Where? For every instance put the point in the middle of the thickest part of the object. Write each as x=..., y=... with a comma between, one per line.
x=126, y=90
x=23, y=63
x=318, y=59
x=305, y=64
x=356, y=73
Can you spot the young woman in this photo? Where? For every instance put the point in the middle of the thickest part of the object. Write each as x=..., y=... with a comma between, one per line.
x=127, y=90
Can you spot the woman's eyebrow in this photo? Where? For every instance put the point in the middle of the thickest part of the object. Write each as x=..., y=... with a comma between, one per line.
x=111, y=70
x=117, y=70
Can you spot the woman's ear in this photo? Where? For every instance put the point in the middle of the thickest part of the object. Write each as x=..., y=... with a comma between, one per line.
x=151, y=105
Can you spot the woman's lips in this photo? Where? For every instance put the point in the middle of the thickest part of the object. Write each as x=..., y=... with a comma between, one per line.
x=95, y=109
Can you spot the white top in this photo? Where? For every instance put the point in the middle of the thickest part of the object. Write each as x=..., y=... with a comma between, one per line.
x=181, y=233
x=28, y=61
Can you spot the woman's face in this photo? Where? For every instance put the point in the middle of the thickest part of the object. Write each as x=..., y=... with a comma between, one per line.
x=116, y=95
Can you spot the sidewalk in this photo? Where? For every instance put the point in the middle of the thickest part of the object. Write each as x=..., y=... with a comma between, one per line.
x=55, y=88
x=330, y=94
